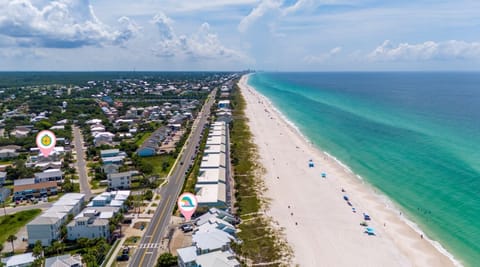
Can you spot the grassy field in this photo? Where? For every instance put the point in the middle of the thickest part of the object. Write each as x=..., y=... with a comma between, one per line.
x=157, y=163
x=261, y=242
x=142, y=138
x=10, y=224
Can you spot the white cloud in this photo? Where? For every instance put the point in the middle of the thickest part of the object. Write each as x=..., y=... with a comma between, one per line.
x=299, y=5
x=323, y=57
x=429, y=50
x=59, y=24
x=202, y=45
x=259, y=11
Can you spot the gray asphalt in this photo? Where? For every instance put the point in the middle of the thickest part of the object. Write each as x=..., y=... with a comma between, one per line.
x=81, y=163
x=147, y=257
x=41, y=205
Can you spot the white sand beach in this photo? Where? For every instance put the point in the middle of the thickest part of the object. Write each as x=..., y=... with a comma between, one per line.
x=319, y=225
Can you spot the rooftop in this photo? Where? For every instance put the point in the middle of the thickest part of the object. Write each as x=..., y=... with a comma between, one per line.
x=188, y=254
x=21, y=188
x=212, y=175
x=19, y=260
x=218, y=259
x=211, y=193
x=213, y=240
x=213, y=161
x=215, y=140
x=119, y=174
x=209, y=149
x=66, y=260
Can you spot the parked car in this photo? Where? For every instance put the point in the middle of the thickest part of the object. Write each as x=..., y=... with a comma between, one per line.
x=123, y=257
x=186, y=228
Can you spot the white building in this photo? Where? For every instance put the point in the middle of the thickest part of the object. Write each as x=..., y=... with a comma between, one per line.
x=110, y=199
x=214, y=240
x=21, y=260
x=119, y=180
x=218, y=214
x=218, y=259
x=49, y=175
x=214, y=149
x=47, y=226
x=66, y=260
x=211, y=175
x=213, y=161
x=211, y=195
x=210, y=189
x=88, y=227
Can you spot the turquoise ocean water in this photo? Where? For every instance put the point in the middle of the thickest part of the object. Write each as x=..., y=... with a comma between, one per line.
x=414, y=136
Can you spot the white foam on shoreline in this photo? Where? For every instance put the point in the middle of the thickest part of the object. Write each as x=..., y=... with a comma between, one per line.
x=382, y=197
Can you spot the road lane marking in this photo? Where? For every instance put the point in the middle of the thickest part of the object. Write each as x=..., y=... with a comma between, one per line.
x=155, y=229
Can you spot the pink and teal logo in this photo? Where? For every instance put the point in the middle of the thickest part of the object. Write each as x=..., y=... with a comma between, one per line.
x=187, y=204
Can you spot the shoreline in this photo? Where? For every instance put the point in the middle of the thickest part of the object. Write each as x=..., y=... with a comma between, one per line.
x=408, y=250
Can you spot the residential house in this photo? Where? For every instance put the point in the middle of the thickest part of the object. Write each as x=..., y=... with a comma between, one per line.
x=7, y=152
x=147, y=150
x=211, y=195
x=214, y=240
x=49, y=175
x=66, y=260
x=4, y=193
x=110, y=168
x=3, y=176
x=107, y=153
x=224, y=104
x=217, y=214
x=20, y=260
x=121, y=180
x=88, y=227
x=20, y=131
x=118, y=160
x=34, y=190
x=218, y=259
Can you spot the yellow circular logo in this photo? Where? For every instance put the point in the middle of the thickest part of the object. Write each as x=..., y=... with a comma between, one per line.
x=46, y=140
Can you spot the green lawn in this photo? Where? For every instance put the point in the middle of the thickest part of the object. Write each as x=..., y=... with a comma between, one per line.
x=10, y=224
x=5, y=162
x=142, y=138
x=157, y=163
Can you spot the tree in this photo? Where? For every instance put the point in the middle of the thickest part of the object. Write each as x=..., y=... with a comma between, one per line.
x=165, y=166
x=68, y=185
x=148, y=195
x=58, y=246
x=167, y=260
x=38, y=262
x=38, y=249
x=10, y=239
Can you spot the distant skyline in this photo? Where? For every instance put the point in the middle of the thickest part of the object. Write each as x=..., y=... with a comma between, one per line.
x=275, y=35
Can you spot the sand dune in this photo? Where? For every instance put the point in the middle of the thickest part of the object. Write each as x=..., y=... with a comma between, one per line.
x=319, y=224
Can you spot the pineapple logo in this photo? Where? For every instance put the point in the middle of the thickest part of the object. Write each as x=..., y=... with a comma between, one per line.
x=46, y=140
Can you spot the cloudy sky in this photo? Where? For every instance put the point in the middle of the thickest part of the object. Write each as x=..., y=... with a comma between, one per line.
x=277, y=35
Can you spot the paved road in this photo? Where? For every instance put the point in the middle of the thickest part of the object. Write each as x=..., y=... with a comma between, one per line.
x=41, y=205
x=81, y=163
x=147, y=252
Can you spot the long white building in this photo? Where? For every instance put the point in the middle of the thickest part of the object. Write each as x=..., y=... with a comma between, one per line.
x=211, y=190
x=47, y=226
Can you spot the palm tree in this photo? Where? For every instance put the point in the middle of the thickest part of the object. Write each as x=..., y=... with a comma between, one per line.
x=38, y=249
x=58, y=246
x=10, y=239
